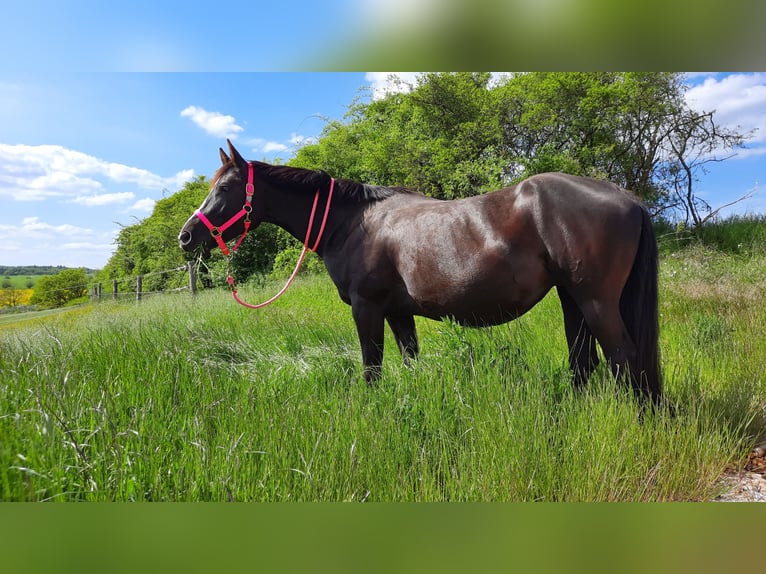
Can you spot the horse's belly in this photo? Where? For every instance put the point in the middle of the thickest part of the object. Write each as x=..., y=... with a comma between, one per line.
x=485, y=318
x=482, y=284
x=480, y=304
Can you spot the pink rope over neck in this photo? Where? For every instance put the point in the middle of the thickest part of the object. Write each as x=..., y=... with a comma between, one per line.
x=230, y=279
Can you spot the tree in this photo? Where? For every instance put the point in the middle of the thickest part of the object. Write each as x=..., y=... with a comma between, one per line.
x=606, y=125
x=439, y=138
x=455, y=135
x=57, y=290
x=10, y=297
x=695, y=141
x=635, y=129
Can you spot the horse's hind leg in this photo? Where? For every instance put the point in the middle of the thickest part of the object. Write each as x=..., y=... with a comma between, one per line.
x=583, y=356
x=403, y=327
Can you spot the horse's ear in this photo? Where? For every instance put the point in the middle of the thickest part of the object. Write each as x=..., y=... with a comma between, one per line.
x=224, y=158
x=238, y=159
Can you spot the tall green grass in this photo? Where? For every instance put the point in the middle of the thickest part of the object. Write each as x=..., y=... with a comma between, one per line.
x=736, y=234
x=180, y=399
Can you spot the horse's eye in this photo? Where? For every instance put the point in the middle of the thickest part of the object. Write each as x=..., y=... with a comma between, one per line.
x=224, y=188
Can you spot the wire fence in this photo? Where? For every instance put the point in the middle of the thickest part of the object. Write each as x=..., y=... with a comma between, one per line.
x=135, y=285
x=126, y=288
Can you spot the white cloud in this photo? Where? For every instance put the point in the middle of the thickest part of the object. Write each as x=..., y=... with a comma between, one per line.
x=739, y=102
x=104, y=199
x=146, y=204
x=263, y=146
x=179, y=179
x=35, y=173
x=270, y=147
x=34, y=228
x=214, y=123
x=260, y=145
x=33, y=241
x=86, y=246
x=750, y=152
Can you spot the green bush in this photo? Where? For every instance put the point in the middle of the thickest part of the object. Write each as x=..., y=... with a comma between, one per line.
x=58, y=290
x=284, y=263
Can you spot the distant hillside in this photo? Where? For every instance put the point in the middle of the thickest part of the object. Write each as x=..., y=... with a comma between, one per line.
x=35, y=270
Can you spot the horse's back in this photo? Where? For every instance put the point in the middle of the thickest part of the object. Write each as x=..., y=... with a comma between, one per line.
x=562, y=194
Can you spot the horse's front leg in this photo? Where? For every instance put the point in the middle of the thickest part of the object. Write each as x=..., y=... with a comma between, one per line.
x=368, y=317
x=403, y=327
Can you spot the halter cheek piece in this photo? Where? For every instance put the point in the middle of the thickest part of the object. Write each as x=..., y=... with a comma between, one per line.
x=245, y=212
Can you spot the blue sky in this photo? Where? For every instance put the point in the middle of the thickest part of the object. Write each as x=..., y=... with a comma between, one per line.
x=83, y=152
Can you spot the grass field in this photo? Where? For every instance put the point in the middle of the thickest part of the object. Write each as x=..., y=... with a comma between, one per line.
x=199, y=399
x=14, y=319
x=21, y=281
x=16, y=291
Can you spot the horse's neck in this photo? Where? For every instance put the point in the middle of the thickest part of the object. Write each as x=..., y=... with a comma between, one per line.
x=290, y=210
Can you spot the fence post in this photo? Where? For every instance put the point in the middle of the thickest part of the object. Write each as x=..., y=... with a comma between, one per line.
x=192, y=277
x=98, y=291
x=114, y=289
x=139, y=282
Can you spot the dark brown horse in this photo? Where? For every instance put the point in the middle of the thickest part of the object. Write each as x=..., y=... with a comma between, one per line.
x=484, y=260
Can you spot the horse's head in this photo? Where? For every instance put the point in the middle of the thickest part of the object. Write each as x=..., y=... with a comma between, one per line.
x=226, y=209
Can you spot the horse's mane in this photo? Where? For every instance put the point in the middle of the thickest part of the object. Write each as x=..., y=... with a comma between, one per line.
x=364, y=193
x=221, y=170
x=311, y=180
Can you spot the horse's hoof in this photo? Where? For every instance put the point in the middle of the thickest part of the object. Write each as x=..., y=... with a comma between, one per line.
x=371, y=377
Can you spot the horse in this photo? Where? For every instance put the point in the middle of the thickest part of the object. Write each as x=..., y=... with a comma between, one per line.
x=484, y=260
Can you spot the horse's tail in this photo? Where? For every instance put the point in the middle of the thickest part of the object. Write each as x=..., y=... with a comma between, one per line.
x=639, y=310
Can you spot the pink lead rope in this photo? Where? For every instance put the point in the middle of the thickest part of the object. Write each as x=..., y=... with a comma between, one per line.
x=245, y=212
x=230, y=279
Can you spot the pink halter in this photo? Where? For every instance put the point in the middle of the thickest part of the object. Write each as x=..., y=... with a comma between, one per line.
x=216, y=232
x=247, y=208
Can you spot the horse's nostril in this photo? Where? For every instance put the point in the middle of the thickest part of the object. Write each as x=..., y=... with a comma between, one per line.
x=184, y=238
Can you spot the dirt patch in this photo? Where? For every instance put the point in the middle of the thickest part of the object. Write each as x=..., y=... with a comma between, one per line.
x=721, y=290
x=756, y=461
x=749, y=484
